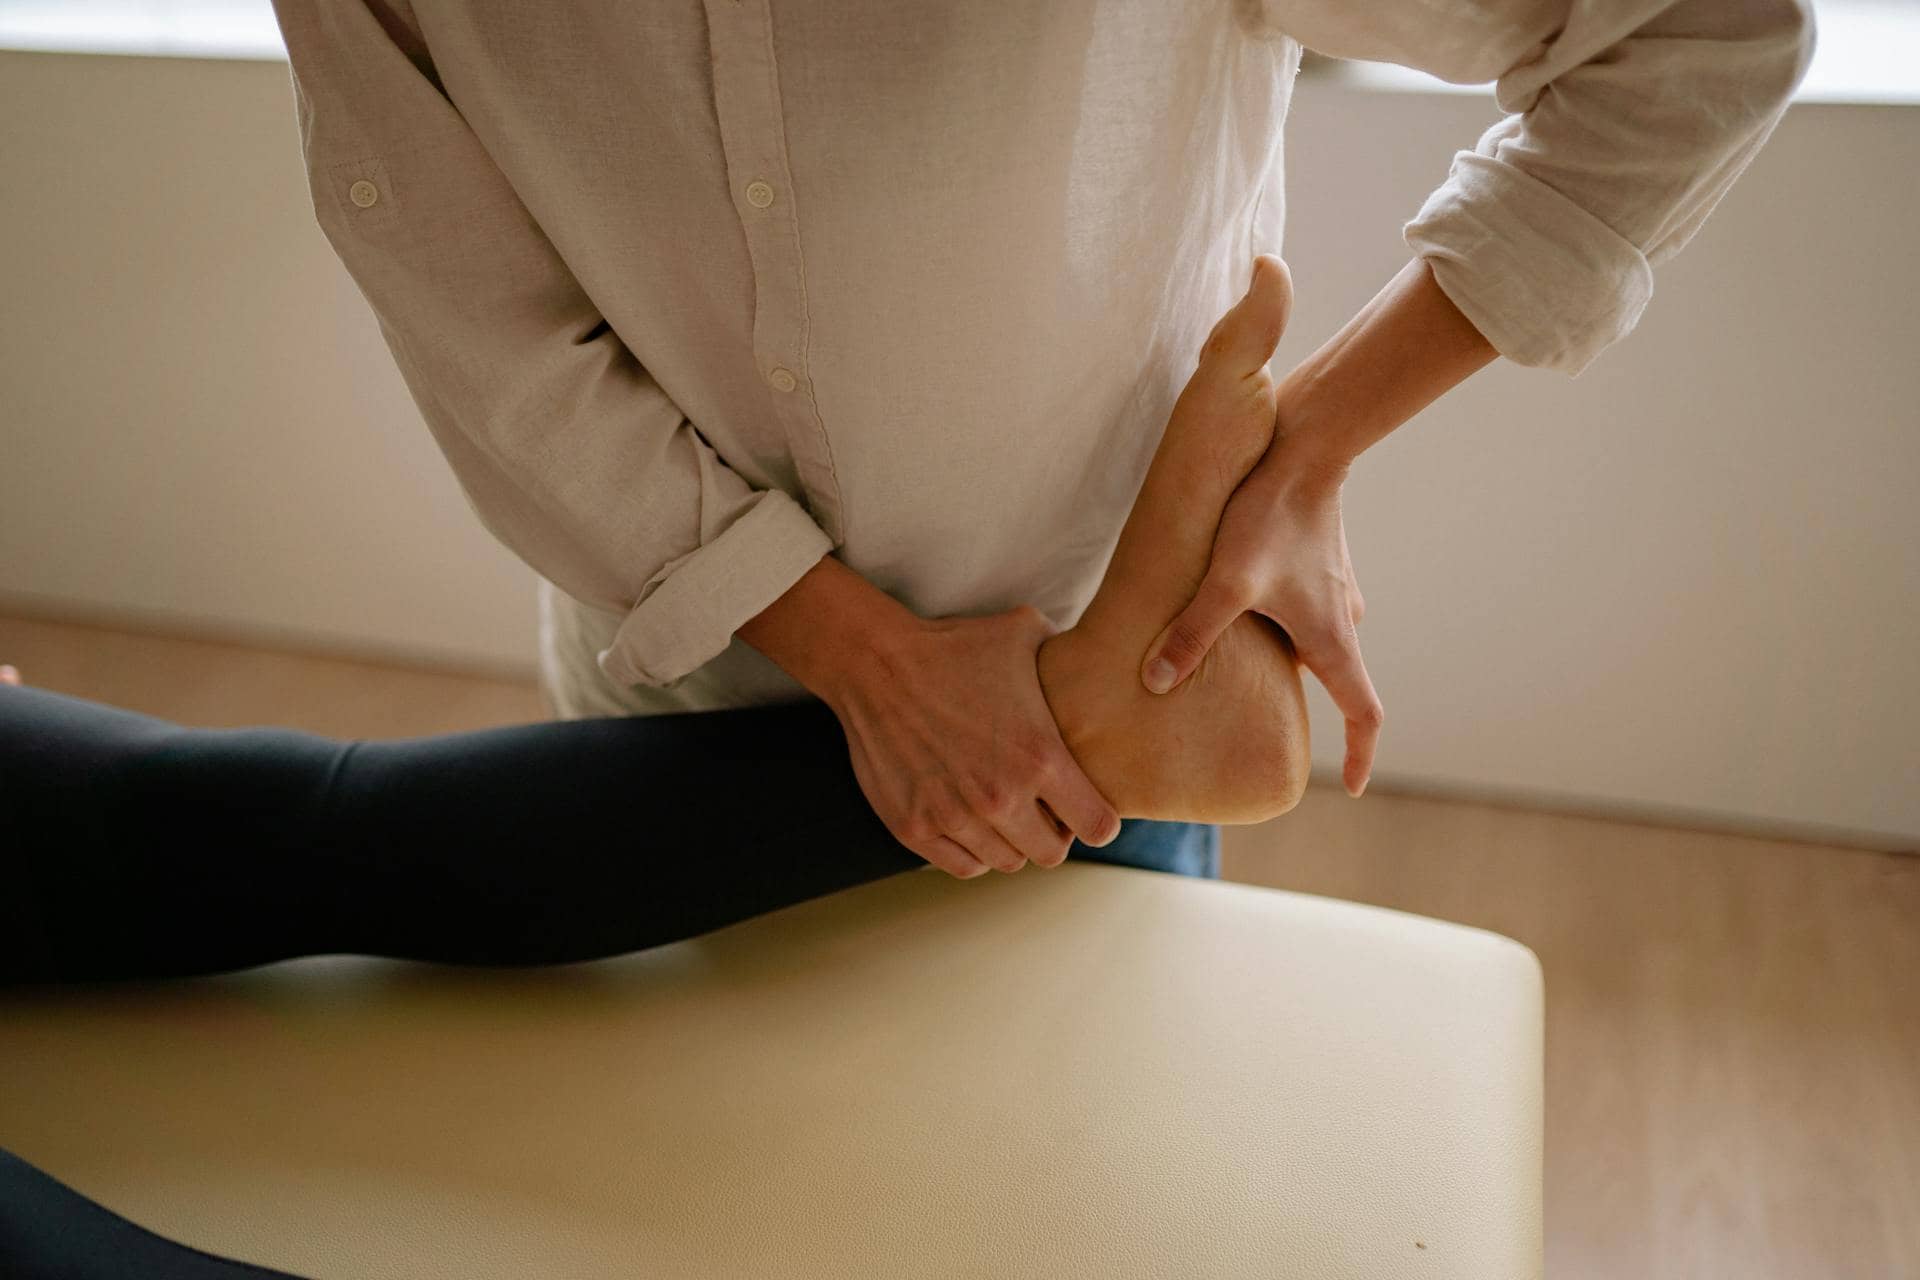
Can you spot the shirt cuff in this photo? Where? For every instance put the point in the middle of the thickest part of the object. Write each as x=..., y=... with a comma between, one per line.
x=1542, y=279
x=687, y=613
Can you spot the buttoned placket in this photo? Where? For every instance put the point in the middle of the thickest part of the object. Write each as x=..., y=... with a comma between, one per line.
x=746, y=93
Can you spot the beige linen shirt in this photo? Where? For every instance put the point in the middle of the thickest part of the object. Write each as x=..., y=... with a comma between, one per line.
x=691, y=293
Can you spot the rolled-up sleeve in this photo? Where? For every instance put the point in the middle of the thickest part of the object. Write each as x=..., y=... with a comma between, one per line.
x=1626, y=125
x=568, y=451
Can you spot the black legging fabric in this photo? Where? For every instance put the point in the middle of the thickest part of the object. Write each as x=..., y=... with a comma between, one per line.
x=142, y=849
x=49, y=1231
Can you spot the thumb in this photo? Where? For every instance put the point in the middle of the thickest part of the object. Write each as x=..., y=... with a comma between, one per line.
x=1178, y=649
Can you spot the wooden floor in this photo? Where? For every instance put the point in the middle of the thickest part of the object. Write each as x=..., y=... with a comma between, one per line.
x=1733, y=1025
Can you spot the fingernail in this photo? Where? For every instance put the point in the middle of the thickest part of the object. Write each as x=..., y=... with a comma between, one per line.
x=1159, y=676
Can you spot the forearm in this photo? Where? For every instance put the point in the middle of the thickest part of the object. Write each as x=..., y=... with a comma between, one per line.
x=1408, y=346
x=827, y=628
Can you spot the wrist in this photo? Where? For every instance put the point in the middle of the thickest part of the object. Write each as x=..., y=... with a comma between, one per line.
x=831, y=630
x=1309, y=445
x=1403, y=350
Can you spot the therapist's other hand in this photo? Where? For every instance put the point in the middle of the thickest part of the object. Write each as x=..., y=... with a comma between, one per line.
x=953, y=744
x=1281, y=551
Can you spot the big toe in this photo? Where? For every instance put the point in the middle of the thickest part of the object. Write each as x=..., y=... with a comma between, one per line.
x=1244, y=339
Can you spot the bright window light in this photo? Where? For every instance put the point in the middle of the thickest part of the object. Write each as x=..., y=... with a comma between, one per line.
x=1868, y=50
x=181, y=28
x=1865, y=51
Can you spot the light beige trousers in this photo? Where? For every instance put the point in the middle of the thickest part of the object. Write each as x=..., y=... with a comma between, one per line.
x=572, y=635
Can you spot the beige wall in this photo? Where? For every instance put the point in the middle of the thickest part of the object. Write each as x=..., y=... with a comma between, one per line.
x=200, y=420
x=1687, y=583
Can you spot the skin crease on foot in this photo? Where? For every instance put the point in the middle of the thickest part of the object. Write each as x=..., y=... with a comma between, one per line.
x=1230, y=743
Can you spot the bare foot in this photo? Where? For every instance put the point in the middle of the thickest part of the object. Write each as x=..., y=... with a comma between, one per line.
x=1230, y=744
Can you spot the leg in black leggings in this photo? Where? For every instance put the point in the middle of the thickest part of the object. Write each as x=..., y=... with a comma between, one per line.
x=142, y=849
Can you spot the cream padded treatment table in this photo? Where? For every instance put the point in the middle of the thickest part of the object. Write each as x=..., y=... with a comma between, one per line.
x=1088, y=1070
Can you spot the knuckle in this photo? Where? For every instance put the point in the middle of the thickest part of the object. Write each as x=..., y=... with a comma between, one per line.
x=986, y=793
x=1373, y=715
x=1002, y=858
x=1034, y=756
x=922, y=801
x=944, y=810
x=1234, y=585
x=1182, y=645
x=1322, y=633
x=1098, y=826
x=1005, y=809
x=931, y=852
x=955, y=819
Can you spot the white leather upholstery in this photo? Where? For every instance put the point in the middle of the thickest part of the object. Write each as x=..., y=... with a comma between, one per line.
x=1083, y=1071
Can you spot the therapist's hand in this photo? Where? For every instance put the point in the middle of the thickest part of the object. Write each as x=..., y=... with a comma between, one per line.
x=1281, y=551
x=950, y=736
x=957, y=751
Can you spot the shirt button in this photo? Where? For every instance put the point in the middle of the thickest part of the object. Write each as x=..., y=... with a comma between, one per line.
x=363, y=193
x=782, y=379
x=759, y=194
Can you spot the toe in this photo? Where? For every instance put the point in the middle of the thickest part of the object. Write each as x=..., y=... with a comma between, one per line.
x=1244, y=339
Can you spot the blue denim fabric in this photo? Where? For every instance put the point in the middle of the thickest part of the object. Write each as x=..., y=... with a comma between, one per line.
x=1183, y=848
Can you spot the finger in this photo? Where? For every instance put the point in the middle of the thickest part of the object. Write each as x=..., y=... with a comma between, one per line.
x=1356, y=605
x=1243, y=340
x=1177, y=650
x=1031, y=830
x=8, y=675
x=1070, y=794
x=1342, y=671
x=943, y=853
x=979, y=838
